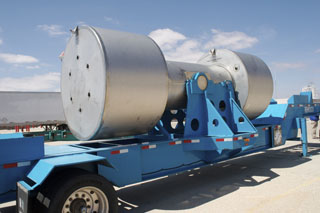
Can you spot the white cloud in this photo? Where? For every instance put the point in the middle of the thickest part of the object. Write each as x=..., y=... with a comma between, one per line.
x=234, y=40
x=111, y=20
x=177, y=46
x=317, y=51
x=188, y=51
x=33, y=67
x=167, y=38
x=17, y=58
x=44, y=82
x=287, y=66
x=52, y=30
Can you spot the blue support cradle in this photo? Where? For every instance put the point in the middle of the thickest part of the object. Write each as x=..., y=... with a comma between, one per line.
x=213, y=111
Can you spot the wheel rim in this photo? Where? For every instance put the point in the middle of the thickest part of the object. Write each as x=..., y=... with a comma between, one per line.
x=86, y=199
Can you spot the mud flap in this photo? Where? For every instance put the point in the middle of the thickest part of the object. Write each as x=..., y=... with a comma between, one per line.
x=23, y=199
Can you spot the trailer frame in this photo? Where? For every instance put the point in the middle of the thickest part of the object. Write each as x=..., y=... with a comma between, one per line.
x=211, y=129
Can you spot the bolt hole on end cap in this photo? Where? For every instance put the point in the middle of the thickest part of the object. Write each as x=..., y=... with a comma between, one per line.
x=129, y=79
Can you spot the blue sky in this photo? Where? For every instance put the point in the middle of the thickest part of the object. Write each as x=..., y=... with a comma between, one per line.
x=285, y=34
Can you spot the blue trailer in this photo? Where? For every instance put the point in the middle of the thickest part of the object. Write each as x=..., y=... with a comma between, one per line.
x=80, y=177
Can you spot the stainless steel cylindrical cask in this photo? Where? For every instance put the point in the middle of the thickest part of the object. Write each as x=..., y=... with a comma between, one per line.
x=112, y=84
x=117, y=84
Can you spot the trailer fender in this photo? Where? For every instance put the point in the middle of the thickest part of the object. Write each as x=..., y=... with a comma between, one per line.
x=44, y=167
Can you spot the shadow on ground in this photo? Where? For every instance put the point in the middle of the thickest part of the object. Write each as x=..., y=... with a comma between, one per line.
x=197, y=187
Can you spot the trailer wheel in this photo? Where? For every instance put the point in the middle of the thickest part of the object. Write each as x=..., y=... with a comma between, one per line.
x=83, y=193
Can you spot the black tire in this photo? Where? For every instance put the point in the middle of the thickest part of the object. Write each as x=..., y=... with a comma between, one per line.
x=81, y=182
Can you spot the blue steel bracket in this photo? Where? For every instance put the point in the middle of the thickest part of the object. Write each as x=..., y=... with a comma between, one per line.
x=301, y=123
x=173, y=122
x=159, y=132
x=213, y=111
